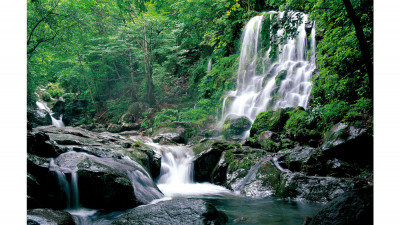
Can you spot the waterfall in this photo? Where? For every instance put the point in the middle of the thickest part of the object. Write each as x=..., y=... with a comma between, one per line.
x=70, y=189
x=209, y=66
x=282, y=82
x=54, y=121
x=176, y=176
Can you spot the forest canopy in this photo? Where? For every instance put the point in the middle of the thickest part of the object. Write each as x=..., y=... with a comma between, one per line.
x=118, y=52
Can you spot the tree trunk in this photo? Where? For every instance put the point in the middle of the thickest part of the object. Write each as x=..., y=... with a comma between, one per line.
x=147, y=70
x=131, y=71
x=87, y=83
x=362, y=41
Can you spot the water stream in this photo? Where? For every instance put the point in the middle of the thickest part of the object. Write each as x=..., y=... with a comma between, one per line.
x=42, y=106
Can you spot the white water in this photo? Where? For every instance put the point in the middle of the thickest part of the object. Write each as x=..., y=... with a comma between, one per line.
x=69, y=188
x=254, y=92
x=54, y=121
x=176, y=176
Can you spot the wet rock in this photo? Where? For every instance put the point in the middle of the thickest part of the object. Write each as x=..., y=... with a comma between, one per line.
x=115, y=128
x=49, y=216
x=305, y=159
x=312, y=188
x=108, y=183
x=108, y=163
x=40, y=144
x=37, y=117
x=349, y=144
x=58, y=108
x=269, y=141
x=208, y=155
x=42, y=185
x=355, y=207
x=169, y=134
x=235, y=126
x=176, y=211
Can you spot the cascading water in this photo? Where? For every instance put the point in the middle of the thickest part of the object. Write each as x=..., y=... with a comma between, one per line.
x=70, y=189
x=54, y=121
x=284, y=82
x=176, y=176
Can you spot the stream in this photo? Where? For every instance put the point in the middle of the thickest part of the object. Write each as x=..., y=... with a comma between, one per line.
x=176, y=181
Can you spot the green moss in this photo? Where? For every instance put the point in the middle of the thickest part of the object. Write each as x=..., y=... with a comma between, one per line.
x=268, y=174
x=234, y=126
x=281, y=76
x=269, y=120
x=284, y=191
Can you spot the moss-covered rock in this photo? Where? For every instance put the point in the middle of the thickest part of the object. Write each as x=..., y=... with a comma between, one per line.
x=280, y=77
x=235, y=126
x=269, y=120
x=208, y=155
x=269, y=141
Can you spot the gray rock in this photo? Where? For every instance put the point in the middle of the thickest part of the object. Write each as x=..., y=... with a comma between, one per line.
x=168, y=134
x=349, y=144
x=58, y=108
x=355, y=207
x=207, y=158
x=176, y=211
x=49, y=217
x=313, y=188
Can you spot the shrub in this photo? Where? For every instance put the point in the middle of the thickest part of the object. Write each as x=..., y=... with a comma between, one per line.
x=165, y=115
x=55, y=90
x=360, y=113
x=46, y=97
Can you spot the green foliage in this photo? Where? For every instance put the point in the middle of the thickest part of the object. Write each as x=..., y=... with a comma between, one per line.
x=166, y=115
x=326, y=116
x=360, y=113
x=55, y=90
x=117, y=109
x=46, y=97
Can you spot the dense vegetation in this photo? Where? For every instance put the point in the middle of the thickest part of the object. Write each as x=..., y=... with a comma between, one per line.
x=118, y=52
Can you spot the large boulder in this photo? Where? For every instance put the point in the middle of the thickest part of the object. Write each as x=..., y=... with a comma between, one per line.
x=42, y=185
x=49, y=216
x=108, y=183
x=207, y=157
x=348, y=143
x=304, y=159
x=37, y=117
x=176, y=211
x=354, y=207
x=235, y=126
x=312, y=188
x=170, y=134
x=114, y=172
x=58, y=108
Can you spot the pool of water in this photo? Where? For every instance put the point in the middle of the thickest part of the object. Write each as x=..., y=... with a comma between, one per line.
x=239, y=209
x=270, y=210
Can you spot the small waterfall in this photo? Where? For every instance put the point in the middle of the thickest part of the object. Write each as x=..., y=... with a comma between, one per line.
x=284, y=82
x=54, y=121
x=209, y=66
x=70, y=189
x=176, y=177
